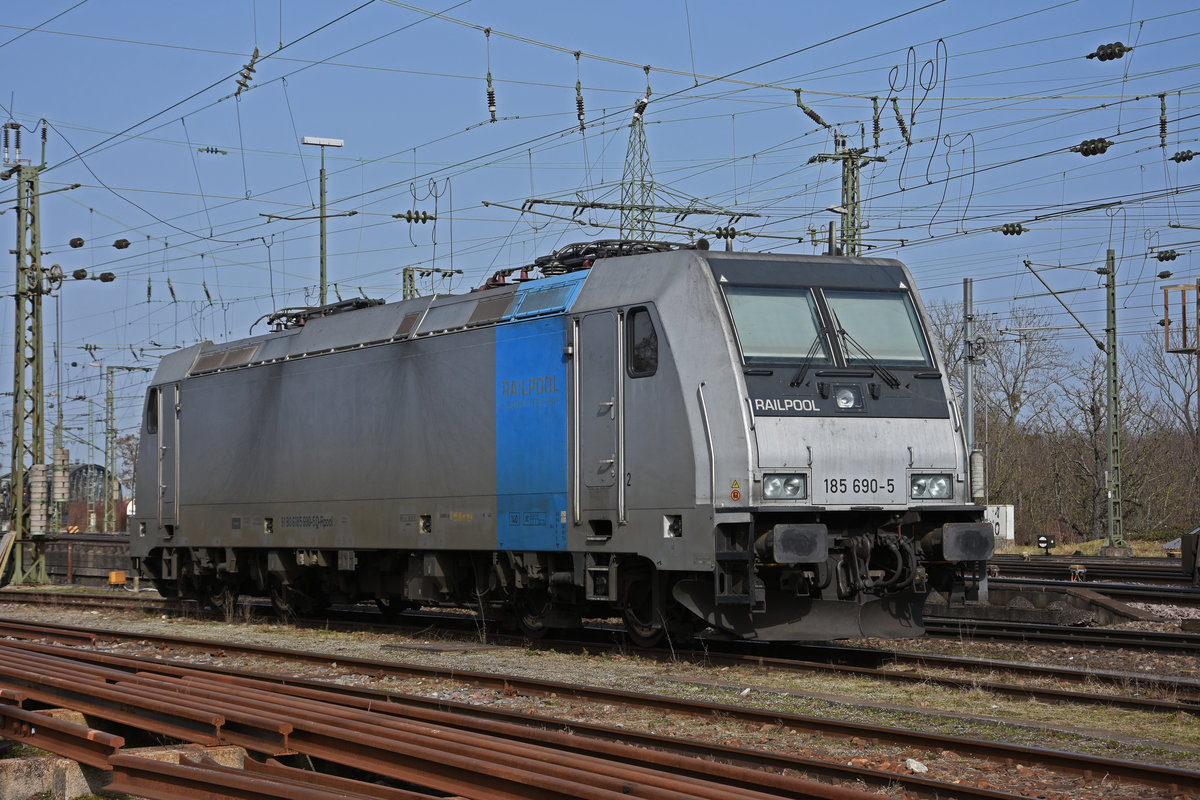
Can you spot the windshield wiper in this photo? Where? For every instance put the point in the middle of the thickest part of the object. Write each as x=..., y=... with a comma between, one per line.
x=808, y=357
x=888, y=378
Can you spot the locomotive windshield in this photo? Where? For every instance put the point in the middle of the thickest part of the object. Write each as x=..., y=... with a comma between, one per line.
x=777, y=325
x=784, y=325
x=879, y=326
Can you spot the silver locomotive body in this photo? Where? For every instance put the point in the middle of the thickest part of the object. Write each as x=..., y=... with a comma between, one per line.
x=761, y=443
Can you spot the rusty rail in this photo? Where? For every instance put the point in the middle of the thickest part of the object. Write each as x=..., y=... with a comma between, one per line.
x=77, y=742
x=61, y=635
x=163, y=780
x=453, y=755
x=436, y=754
x=1074, y=763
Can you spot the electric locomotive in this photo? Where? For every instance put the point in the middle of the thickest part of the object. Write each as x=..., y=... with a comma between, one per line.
x=763, y=444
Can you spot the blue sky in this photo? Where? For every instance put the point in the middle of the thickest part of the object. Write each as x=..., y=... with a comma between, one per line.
x=139, y=95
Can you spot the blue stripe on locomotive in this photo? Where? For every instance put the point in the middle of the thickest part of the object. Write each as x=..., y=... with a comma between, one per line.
x=531, y=435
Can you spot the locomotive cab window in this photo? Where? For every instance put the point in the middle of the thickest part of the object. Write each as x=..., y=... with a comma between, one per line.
x=879, y=326
x=642, y=342
x=777, y=325
x=152, y=411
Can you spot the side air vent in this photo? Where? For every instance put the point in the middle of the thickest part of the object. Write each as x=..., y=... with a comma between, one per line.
x=223, y=359
x=490, y=310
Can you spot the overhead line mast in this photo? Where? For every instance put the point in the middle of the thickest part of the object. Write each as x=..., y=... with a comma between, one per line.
x=852, y=159
x=637, y=184
x=28, y=431
x=1115, y=544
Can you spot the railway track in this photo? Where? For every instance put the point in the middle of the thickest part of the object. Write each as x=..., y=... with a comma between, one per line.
x=1133, y=592
x=1147, y=694
x=971, y=629
x=15, y=671
x=438, y=750
x=1137, y=692
x=1161, y=571
x=111, y=600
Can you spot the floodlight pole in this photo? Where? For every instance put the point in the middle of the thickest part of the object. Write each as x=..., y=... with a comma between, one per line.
x=322, y=143
x=975, y=459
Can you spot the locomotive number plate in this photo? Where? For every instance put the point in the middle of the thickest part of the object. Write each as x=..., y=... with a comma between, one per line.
x=860, y=485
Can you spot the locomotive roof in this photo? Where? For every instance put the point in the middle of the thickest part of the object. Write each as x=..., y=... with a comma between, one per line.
x=345, y=326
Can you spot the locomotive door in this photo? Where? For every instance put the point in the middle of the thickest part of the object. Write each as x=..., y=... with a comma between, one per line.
x=168, y=454
x=597, y=410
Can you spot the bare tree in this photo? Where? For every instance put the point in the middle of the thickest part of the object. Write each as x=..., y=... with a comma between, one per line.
x=1044, y=425
x=1079, y=443
x=1018, y=370
x=1018, y=360
x=1172, y=379
x=1161, y=438
x=127, y=450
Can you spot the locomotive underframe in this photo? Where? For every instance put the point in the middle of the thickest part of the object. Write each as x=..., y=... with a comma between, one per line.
x=867, y=570
x=863, y=570
x=533, y=591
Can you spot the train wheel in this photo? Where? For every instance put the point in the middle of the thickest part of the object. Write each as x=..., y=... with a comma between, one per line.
x=531, y=615
x=279, y=601
x=222, y=598
x=289, y=602
x=390, y=608
x=188, y=586
x=641, y=625
x=166, y=588
x=283, y=600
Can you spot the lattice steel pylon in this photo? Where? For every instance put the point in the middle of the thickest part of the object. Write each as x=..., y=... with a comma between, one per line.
x=1115, y=544
x=637, y=182
x=28, y=430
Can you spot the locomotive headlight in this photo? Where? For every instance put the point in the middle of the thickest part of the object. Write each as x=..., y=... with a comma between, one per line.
x=931, y=487
x=785, y=487
x=847, y=397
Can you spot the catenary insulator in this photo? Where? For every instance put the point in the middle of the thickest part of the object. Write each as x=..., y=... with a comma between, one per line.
x=900, y=122
x=808, y=112
x=491, y=96
x=1092, y=147
x=1162, y=121
x=877, y=125
x=1109, y=52
x=579, y=104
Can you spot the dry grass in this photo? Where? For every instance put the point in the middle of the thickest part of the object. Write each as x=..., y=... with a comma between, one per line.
x=1142, y=548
